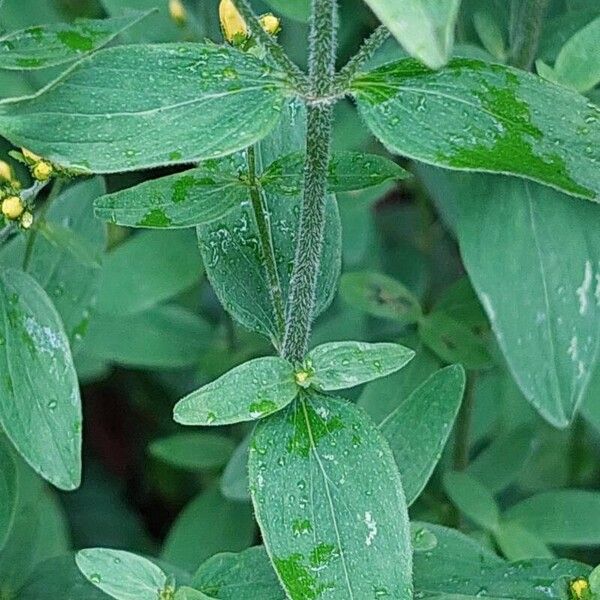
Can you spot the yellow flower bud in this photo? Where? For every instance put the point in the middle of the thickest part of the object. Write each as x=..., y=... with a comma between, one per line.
x=30, y=156
x=579, y=588
x=12, y=207
x=42, y=171
x=232, y=24
x=270, y=23
x=178, y=12
x=6, y=172
x=26, y=220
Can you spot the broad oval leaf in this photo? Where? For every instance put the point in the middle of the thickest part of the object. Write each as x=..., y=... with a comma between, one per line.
x=40, y=408
x=44, y=46
x=486, y=118
x=251, y=391
x=200, y=102
x=122, y=575
x=424, y=27
x=187, y=199
x=348, y=171
x=340, y=529
x=418, y=429
x=340, y=365
x=195, y=451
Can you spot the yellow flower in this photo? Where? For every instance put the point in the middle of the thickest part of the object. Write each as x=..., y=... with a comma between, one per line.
x=42, y=171
x=26, y=220
x=178, y=12
x=270, y=23
x=6, y=172
x=233, y=25
x=12, y=207
x=579, y=588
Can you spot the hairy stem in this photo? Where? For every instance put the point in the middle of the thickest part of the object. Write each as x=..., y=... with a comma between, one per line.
x=526, y=21
x=261, y=216
x=269, y=44
x=309, y=243
x=362, y=57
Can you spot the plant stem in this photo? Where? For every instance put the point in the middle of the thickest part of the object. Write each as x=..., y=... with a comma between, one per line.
x=363, y=56
x=54, y=192
x=261, y=216
x=463, y=426
x=526, y=21
x=269, y=44
x=311, y=227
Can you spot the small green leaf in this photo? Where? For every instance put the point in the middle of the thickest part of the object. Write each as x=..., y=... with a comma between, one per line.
x=251, y=391
x=68, y=241
x=147, y=269
x=595, y=580
x=453, y=341
x=380, y=296
x=207, y=525
x=196, y=451
x=8, y=492
x=49, y=45
x=186, y=199
x=490, y=33
x=424, y=27
x=201, y=102
x=248, y=574
x=488, y=118
x=418, y=429
x=294, y=9
x=341, y=365
x=472, y=499
x=561, y=517
x=122, y=575
x=329, y=501
x=234, y=481
x=517, y=543
x=40, y=408
x=186, y=593
x=348, y=171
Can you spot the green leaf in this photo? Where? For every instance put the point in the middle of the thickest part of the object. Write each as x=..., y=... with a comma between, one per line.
x=343, y=513
x=380, y=296
x=490, y=33
x=231, y=250
x=122, y=575
x=578, y=63
x=562, y=517
x=517, y=543
x=595, y=580
x=49, y=45
x=40, y=408
x=234, y=481
x=207, y=525
x=424, y=27
x=201, y=102
x=165, y=337
x=251, y=391
x=186, y=593
x=147, y=269
x=418, y=429
x=340, y=365
x=547, y=322
x=194, y=197
x=8, y=492
x=248, y=574
x=196, y=451
x=453, y=341
x=348, y=171
x=472, y=499
x=486, y=118
x=294, y=9
x=65, y=239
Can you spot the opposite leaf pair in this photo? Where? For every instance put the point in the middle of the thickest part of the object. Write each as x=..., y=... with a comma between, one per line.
x=263, y=386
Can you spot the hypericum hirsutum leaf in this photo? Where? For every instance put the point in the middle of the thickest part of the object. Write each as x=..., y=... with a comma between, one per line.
x=296, y=9
x=248, y=574
x=348, y=171
x=122, y=575
x=340, y=528
x=518, y=543
x=341, y=365
x=485, y=118
x=199, y=102
x=418, y=429
x=40, y=408
x=251, y=391
x=424, y=27
x=49, y=45
x=234, y=481
x=534, y=258
x=186, y=199
x=380, y=296
x=195, y=451
x=8, y=492
x=561, y=517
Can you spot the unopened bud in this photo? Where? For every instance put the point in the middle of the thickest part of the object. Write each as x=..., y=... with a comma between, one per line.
x=42, y=171
x=178, y=12
x=270, y=23
x=233, y=25
x=6, y=172
x=26, y=220
x=12, y=207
